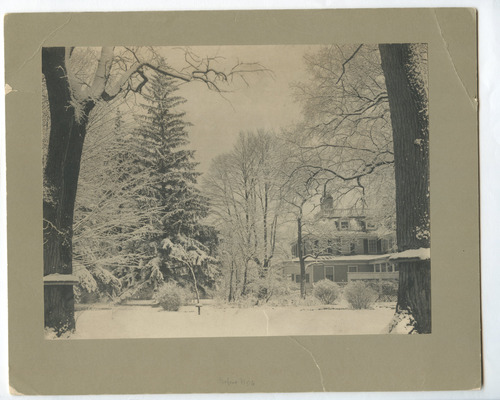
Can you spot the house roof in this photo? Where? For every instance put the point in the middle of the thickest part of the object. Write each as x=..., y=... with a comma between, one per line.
x=358, y=257
x=342, y=212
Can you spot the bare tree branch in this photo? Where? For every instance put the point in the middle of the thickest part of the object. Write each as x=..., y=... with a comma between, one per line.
x=346, y=61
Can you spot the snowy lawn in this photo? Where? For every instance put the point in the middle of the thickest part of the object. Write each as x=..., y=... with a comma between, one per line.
x=154, y=322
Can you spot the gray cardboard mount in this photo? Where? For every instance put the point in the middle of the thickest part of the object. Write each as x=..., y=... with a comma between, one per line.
x=449, y=358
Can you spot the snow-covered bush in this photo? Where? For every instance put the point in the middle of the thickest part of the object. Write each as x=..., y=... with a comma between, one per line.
x=309, y=301
x=326, y=291
x=273, y=285
x=170, y=296
x=387, y=290
x=359, y=295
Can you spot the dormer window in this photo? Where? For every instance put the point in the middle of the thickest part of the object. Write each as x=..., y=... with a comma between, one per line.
x=316, y=246
x=344, y=225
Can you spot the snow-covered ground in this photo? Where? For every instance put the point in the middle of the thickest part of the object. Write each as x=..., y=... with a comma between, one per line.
x=154, y=322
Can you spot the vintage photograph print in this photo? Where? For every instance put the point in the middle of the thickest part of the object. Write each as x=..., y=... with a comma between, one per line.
x=236, y=191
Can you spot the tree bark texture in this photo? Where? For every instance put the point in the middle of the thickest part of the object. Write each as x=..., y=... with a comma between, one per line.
x=67, y=134
x=59, y=308
x=415, y=292
x=410, y=124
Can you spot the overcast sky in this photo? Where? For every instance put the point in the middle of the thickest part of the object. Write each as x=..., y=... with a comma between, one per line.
x=266, y=103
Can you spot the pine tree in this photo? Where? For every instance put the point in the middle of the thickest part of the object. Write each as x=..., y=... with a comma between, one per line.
x=168, y=193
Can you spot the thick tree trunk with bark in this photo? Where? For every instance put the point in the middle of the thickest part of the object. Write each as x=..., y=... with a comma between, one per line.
x=409, y=117
x=415, y=292
x=59, y=308
x=67, y=134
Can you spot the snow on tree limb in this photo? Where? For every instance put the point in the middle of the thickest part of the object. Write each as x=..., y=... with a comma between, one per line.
x=417, y=254
x=117, y=74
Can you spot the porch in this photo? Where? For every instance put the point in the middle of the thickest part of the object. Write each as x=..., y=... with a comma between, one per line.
x=343, y=269
x=352, y=276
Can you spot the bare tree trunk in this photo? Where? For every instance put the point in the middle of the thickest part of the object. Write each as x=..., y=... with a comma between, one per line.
x=195, y=284
x=408, y=105
x=265, y=264
x=301, y=259
x=67, y=134
x=231, y=291
x=245, y=277
x=236, y=279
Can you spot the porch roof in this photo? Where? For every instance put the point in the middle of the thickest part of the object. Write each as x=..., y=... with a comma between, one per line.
x=357, y=257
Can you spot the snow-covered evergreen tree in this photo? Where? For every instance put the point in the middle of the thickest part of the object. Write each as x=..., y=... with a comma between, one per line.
x=136, y=194
x=107, y=219
x=169, y=193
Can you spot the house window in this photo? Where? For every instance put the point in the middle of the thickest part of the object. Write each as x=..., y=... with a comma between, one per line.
x=344, y=225
x=297, y=278
x=377, y=267
x=293, y=277
x=384, y=267
x=353, y=268
x=329, y=273
x=396, y=268
x=383, y=246
x=372, y=246
x=329, y=249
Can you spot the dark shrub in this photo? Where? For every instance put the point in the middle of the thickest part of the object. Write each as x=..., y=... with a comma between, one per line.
x=359, y=295
x=326, y=291
x=387, y=290
x=170, y=296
